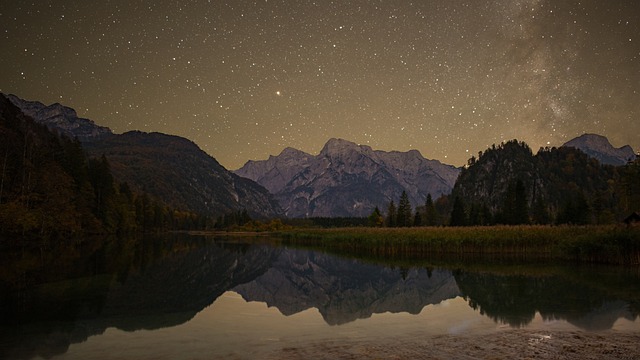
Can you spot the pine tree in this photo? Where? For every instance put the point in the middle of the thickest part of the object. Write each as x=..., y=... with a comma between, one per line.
x=105, y=191
x=391, y=214
x=475, y=215
x=458, y=214
x=244, y=217
x=376, y=219
x=515, y=208
x=507, y=213
x=540, y=212
x=521, y=210
x=430, y=212
x=575, y=210
x=417, y=219
x=630, y=187
x=404, y=211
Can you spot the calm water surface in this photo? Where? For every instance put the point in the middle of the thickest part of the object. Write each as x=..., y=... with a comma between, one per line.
x=192, y=297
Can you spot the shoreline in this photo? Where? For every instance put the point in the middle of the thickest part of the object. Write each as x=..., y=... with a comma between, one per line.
x=503, y=344
x=605, y=244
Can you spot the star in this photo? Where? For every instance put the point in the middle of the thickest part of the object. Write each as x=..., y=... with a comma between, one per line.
x=459, y=70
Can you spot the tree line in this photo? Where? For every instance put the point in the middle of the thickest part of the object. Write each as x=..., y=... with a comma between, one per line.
x=508, y=185
x=403, y=214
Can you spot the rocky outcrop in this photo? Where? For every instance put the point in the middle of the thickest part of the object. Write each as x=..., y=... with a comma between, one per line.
x=62, y=119
x=275, y=173
x=346, y=179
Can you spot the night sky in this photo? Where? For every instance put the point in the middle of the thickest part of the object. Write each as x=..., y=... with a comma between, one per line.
x=244, y=79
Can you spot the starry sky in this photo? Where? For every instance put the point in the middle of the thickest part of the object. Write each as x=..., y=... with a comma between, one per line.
x=245, y=79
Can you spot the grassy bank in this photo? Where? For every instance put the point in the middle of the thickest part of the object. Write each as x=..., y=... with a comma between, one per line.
x=591, y=244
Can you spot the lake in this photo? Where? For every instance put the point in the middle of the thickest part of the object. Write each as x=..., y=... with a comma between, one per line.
x=189, y=297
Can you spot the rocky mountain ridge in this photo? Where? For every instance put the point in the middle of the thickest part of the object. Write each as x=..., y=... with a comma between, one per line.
x=599, y=147
x=61, y=118
x=346, y=179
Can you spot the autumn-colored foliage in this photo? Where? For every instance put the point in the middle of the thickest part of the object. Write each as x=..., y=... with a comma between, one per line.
x=49, y=188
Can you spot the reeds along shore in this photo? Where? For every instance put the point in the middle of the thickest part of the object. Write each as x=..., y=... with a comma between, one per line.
x=590, y=244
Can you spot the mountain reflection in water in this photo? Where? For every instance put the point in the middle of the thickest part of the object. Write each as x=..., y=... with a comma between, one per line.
x=344, y=290
x=159, y=283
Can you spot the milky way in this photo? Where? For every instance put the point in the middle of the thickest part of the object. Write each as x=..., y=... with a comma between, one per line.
x=244, y=79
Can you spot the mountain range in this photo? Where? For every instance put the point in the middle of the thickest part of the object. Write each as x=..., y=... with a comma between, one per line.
x=346, y=179
x=350, y=180
x=169, y=168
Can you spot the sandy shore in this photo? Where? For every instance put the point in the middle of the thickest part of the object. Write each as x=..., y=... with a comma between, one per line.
x=508, y=344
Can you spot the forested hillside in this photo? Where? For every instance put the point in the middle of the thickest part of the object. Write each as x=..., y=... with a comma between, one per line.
x=507, y=184
x=50, y=188
x=170, y=169
x=178, y=172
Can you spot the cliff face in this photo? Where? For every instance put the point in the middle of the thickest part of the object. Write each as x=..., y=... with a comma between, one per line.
x=346, y=179
x=487, y=179
x=275, y=173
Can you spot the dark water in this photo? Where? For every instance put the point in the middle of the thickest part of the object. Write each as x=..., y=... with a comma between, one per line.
x=196, y=297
